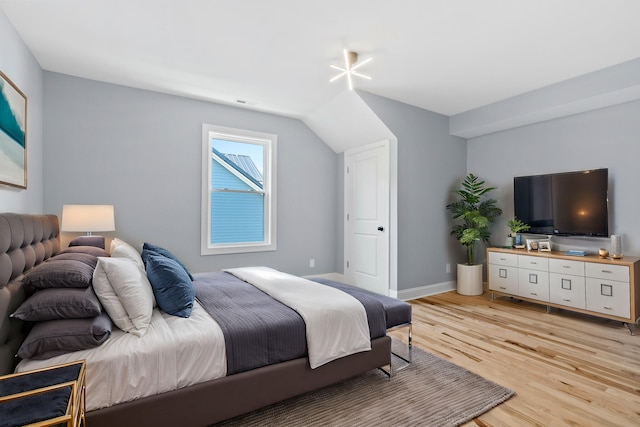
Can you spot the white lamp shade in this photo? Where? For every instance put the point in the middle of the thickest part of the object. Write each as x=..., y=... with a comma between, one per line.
x=88, y=218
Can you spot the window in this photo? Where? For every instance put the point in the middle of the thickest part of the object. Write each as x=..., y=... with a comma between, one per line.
x=238, y=191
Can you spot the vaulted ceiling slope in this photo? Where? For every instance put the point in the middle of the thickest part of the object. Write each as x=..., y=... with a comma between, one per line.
x=445, y=56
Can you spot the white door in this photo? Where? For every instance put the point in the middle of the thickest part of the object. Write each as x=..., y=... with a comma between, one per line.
x=367, y=217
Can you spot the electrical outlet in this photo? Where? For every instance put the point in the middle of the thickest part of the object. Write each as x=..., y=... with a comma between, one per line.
x=448, y=267
x=312, y=263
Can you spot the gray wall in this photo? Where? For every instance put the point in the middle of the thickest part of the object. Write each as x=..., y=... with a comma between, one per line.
x=19, y=65
x=431, y=163
x=605, y=138
x=141, y=151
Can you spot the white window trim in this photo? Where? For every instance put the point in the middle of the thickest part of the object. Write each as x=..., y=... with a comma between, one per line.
x=269, y=173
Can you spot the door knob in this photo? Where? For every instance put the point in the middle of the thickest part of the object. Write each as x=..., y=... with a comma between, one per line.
x=380, y=228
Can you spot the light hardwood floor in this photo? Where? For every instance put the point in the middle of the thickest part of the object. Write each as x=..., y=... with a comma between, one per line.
x=567, y=369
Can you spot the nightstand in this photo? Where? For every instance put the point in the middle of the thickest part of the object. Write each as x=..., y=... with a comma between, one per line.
x=44, y=397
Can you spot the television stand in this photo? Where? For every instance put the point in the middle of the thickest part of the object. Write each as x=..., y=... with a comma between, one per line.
x=602, y=287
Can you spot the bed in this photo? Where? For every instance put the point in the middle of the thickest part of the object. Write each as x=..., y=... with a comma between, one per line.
x=202, y=392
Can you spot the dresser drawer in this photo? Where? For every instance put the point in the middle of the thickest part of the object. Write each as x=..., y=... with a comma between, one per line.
x=567, y=290
x=503, y=278
x=619, y=273
x=608, y=296
x=533, y=262
x=500, y=258
x=565, y=266
x=533, y=284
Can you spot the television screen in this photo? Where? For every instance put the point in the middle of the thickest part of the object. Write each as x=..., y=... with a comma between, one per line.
x=569, y=204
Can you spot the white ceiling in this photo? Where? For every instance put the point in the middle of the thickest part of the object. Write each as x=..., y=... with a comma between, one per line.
x=446, y=56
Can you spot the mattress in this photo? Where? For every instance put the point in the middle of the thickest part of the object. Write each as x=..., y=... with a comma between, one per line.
x=174, y=352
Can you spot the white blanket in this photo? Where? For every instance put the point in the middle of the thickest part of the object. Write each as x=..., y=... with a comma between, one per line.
x=174, y=352
x=336, y=322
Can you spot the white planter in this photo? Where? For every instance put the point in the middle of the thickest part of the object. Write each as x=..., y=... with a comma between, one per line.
x=470, y=279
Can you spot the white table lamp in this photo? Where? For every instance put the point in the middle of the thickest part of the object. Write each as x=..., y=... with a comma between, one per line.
x=88, y=218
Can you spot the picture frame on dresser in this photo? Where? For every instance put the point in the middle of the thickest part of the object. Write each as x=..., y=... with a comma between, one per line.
x=544, y=246
x=13, y=134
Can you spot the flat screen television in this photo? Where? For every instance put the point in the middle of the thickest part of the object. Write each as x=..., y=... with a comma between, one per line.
x=564, y=204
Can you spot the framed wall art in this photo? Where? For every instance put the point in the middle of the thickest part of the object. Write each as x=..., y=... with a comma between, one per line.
x=13, y=134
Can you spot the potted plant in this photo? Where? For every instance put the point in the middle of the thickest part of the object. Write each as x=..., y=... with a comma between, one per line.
x=517, y=226
x=474, y=213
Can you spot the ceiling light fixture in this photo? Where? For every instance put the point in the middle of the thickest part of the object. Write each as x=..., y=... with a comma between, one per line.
x=350, y=58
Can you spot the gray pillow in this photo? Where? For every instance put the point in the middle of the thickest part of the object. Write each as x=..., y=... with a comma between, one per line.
x=97, y=241
x=90, y=250
x=62, y=272
x=54, y=337
x=90, y=260
x=59, y=303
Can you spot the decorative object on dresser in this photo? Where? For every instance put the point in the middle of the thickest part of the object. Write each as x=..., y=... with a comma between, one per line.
x=532, y=244
x=475, y=212
x=616, y=246
x=53, y=396
x=589, y=284
x=544, y=246
x=517, y=226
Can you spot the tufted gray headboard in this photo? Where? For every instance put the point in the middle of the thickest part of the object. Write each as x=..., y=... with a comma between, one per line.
x=25, y=241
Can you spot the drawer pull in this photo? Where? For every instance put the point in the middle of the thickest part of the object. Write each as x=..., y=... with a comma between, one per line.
x=502, y=287
x=534, y=294
x=607, y=271
x=503, y=259
x=533, y=262
x=566, y=300
x=607, y=308
x=566, y=266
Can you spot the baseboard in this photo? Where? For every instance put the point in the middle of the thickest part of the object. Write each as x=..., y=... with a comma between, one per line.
x=405, y=294
x=423, y=291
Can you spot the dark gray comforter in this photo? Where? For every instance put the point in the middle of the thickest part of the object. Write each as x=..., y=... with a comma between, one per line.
x=259, y=330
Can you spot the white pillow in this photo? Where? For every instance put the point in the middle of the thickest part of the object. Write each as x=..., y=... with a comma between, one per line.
x=125, y=292
x=121, y=249
x=114, y=243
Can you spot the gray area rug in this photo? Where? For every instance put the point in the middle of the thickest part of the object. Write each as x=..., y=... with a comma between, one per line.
x=429, y=392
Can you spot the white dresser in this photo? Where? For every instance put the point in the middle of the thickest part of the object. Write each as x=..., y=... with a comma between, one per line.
x=601, y=287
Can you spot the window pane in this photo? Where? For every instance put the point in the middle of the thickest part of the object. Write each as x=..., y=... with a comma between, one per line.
x=237, y=217
x=246, y=157
x=223, y=178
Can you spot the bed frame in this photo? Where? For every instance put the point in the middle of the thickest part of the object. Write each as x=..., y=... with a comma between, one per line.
x=27, y=240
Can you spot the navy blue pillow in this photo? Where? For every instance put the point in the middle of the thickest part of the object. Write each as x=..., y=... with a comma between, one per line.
x=171, y=285
x=148, y=248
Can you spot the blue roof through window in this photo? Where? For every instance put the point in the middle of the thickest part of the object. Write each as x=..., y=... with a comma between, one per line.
x=243, y=164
